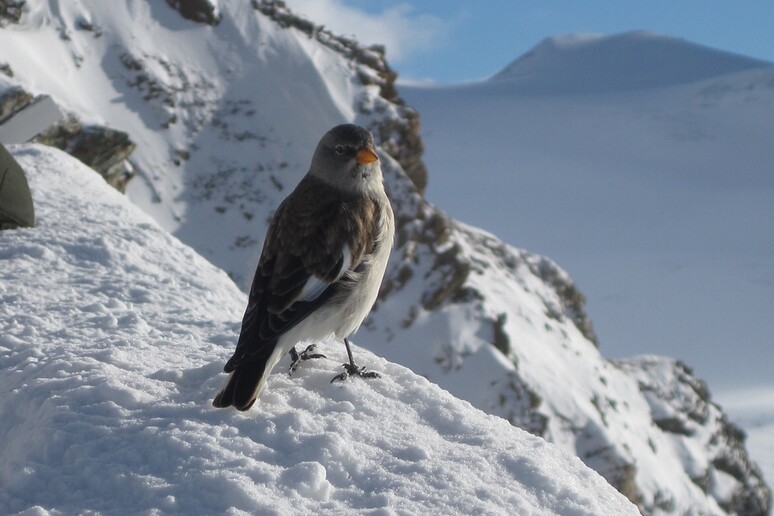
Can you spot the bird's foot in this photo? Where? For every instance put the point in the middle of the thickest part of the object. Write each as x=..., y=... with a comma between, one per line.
x=296, y=358
x=353, y=370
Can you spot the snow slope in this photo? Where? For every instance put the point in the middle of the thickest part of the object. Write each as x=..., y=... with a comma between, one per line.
x=112, y=334
x=642, y=164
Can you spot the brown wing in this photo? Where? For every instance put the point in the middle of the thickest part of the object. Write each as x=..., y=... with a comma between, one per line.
x=302, y=263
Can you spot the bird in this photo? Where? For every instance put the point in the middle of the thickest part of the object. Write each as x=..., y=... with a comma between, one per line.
x=323, y=260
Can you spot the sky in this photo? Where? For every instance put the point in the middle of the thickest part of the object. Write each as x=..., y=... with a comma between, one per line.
x=450, y=41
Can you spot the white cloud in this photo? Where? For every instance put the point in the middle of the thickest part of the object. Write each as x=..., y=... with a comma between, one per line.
x=402, y=31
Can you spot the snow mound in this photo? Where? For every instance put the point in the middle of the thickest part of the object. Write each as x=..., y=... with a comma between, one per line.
x=112, y=335
x=582, y=64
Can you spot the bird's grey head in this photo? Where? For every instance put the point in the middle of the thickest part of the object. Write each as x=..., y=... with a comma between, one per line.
x=346, y=158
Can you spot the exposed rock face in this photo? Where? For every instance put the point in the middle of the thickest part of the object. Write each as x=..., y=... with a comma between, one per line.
x=203, y=11
x=105, y=150
x=12, y=100
x=11, y=11
x=682, y=407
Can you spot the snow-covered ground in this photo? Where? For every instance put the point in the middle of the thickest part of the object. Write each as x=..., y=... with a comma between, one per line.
x=112, y=335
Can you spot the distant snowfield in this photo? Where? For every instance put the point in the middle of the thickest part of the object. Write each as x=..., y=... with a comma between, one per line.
x=112, y=337
x=659, y=202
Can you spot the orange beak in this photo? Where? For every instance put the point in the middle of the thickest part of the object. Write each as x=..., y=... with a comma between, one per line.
x=366, y=155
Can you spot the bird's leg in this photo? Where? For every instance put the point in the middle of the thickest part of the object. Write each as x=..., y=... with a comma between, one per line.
x=296, y=357
x=352, y=370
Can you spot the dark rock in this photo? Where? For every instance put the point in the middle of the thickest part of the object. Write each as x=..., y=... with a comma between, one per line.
x=572, y=298
x=12, y=100
x=6, y=70
x=201, y=11
x=502, y=340
x=105, y=150
x=11, y=11
x=673, y=425
x=671, y=388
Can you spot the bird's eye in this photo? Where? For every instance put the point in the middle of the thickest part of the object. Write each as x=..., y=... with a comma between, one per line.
x=339, y=149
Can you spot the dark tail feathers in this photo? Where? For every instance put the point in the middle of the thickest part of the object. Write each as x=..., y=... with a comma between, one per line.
x=240, y=391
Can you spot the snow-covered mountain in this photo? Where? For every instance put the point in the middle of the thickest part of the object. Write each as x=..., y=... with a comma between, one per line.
x=641, y=163
x=225, y=110
x=633, y=61
x=112, y=335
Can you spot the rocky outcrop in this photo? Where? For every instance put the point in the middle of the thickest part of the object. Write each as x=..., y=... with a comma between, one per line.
x=105, y=150
x=202, y=11
x=11, y=11
x=682, y=407
x=12, y=100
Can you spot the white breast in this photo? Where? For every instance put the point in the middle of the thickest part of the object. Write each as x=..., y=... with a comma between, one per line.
x=359, y=301
x=343, y=315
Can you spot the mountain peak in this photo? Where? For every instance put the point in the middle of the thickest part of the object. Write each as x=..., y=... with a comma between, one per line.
x=595, y=63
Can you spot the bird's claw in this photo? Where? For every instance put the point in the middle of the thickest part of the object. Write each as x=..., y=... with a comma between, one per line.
x=352, y=370
x=307, y=354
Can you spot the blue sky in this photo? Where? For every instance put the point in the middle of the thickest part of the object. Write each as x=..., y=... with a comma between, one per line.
x=458, y=40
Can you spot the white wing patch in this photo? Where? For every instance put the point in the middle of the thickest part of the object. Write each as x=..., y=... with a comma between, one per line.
x=315, y=286
x=346, y=263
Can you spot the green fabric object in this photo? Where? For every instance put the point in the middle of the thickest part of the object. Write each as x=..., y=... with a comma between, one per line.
x=16, y=209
